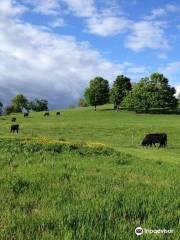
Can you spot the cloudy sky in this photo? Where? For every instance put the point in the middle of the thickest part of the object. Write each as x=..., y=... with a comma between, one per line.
x=52, y=48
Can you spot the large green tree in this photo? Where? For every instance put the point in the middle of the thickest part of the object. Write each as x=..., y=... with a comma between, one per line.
x=19, y=102
x=120, y=88
x=97, y=93
x=39, y=105
x=153, y=92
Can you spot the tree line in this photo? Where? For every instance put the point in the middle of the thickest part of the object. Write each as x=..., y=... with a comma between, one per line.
x=152, y=92
x=149, y=93
x=20, y=103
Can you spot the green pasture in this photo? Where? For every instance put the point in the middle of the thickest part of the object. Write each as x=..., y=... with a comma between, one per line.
x=84, y=175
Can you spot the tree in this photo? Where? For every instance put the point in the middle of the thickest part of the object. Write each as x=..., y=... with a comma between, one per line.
x=164, y=94
x=153, y=92
x=9, y=109
x=119, y=90
x=98, y=92
x=39, y=105
x=82, y=103
x=1, y=107
x=19, y=102
x=141, y=95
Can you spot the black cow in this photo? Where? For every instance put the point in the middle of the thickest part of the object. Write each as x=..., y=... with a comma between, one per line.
x=58, y=114
x=26, y=114
x=15, y=128
x=46, y=114
x=13, y=119
x=152, y=139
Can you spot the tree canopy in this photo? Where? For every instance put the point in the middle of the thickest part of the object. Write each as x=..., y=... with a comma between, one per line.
x=120, y=87
x=98, y=92
x=153, y=92
x=39, y=105
x=19, y=102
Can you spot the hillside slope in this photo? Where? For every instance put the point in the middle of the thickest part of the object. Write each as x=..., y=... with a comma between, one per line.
x=84, y=175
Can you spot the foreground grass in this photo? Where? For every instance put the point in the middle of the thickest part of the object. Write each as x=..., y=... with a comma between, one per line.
x=55, y=185
x=71, y=191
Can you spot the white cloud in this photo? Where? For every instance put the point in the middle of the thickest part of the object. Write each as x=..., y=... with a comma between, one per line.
x=171, y=68
x=46, y=7
x=150, y=33
x=9, y=8
x=161, y=12
x=43, y=64
x=158, y=12
x=172, y=71
x=147, y=34
x=172, y=8
x=177, y=91
x=81, y=8
x=105, y=22
x=107, y=26
x=57, y=23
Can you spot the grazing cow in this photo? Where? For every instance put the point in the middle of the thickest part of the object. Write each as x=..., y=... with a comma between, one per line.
x=15, y=128
x=13, y=119
x=152, y=139
x=26, y=114
x=46, y=114
x=58, y=114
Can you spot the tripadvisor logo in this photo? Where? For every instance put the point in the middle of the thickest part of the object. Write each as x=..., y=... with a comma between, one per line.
x=139, y=231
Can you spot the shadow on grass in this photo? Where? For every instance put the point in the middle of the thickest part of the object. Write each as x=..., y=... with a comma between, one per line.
x=107, y=109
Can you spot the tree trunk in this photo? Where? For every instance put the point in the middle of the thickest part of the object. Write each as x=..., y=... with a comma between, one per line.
x=95, y=108
x=146, y=110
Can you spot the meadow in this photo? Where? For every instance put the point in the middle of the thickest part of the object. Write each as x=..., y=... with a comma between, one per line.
x=84, y=175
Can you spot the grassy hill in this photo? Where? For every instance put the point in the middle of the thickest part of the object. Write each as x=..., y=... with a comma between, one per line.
x=84, y=175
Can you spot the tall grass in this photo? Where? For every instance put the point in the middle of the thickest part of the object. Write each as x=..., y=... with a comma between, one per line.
x=85, y=176
x=80, y=192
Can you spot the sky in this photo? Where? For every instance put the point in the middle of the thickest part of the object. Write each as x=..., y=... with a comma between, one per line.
x=50, y=49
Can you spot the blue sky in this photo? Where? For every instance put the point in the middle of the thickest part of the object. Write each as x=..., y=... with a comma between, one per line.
x=51, y=49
